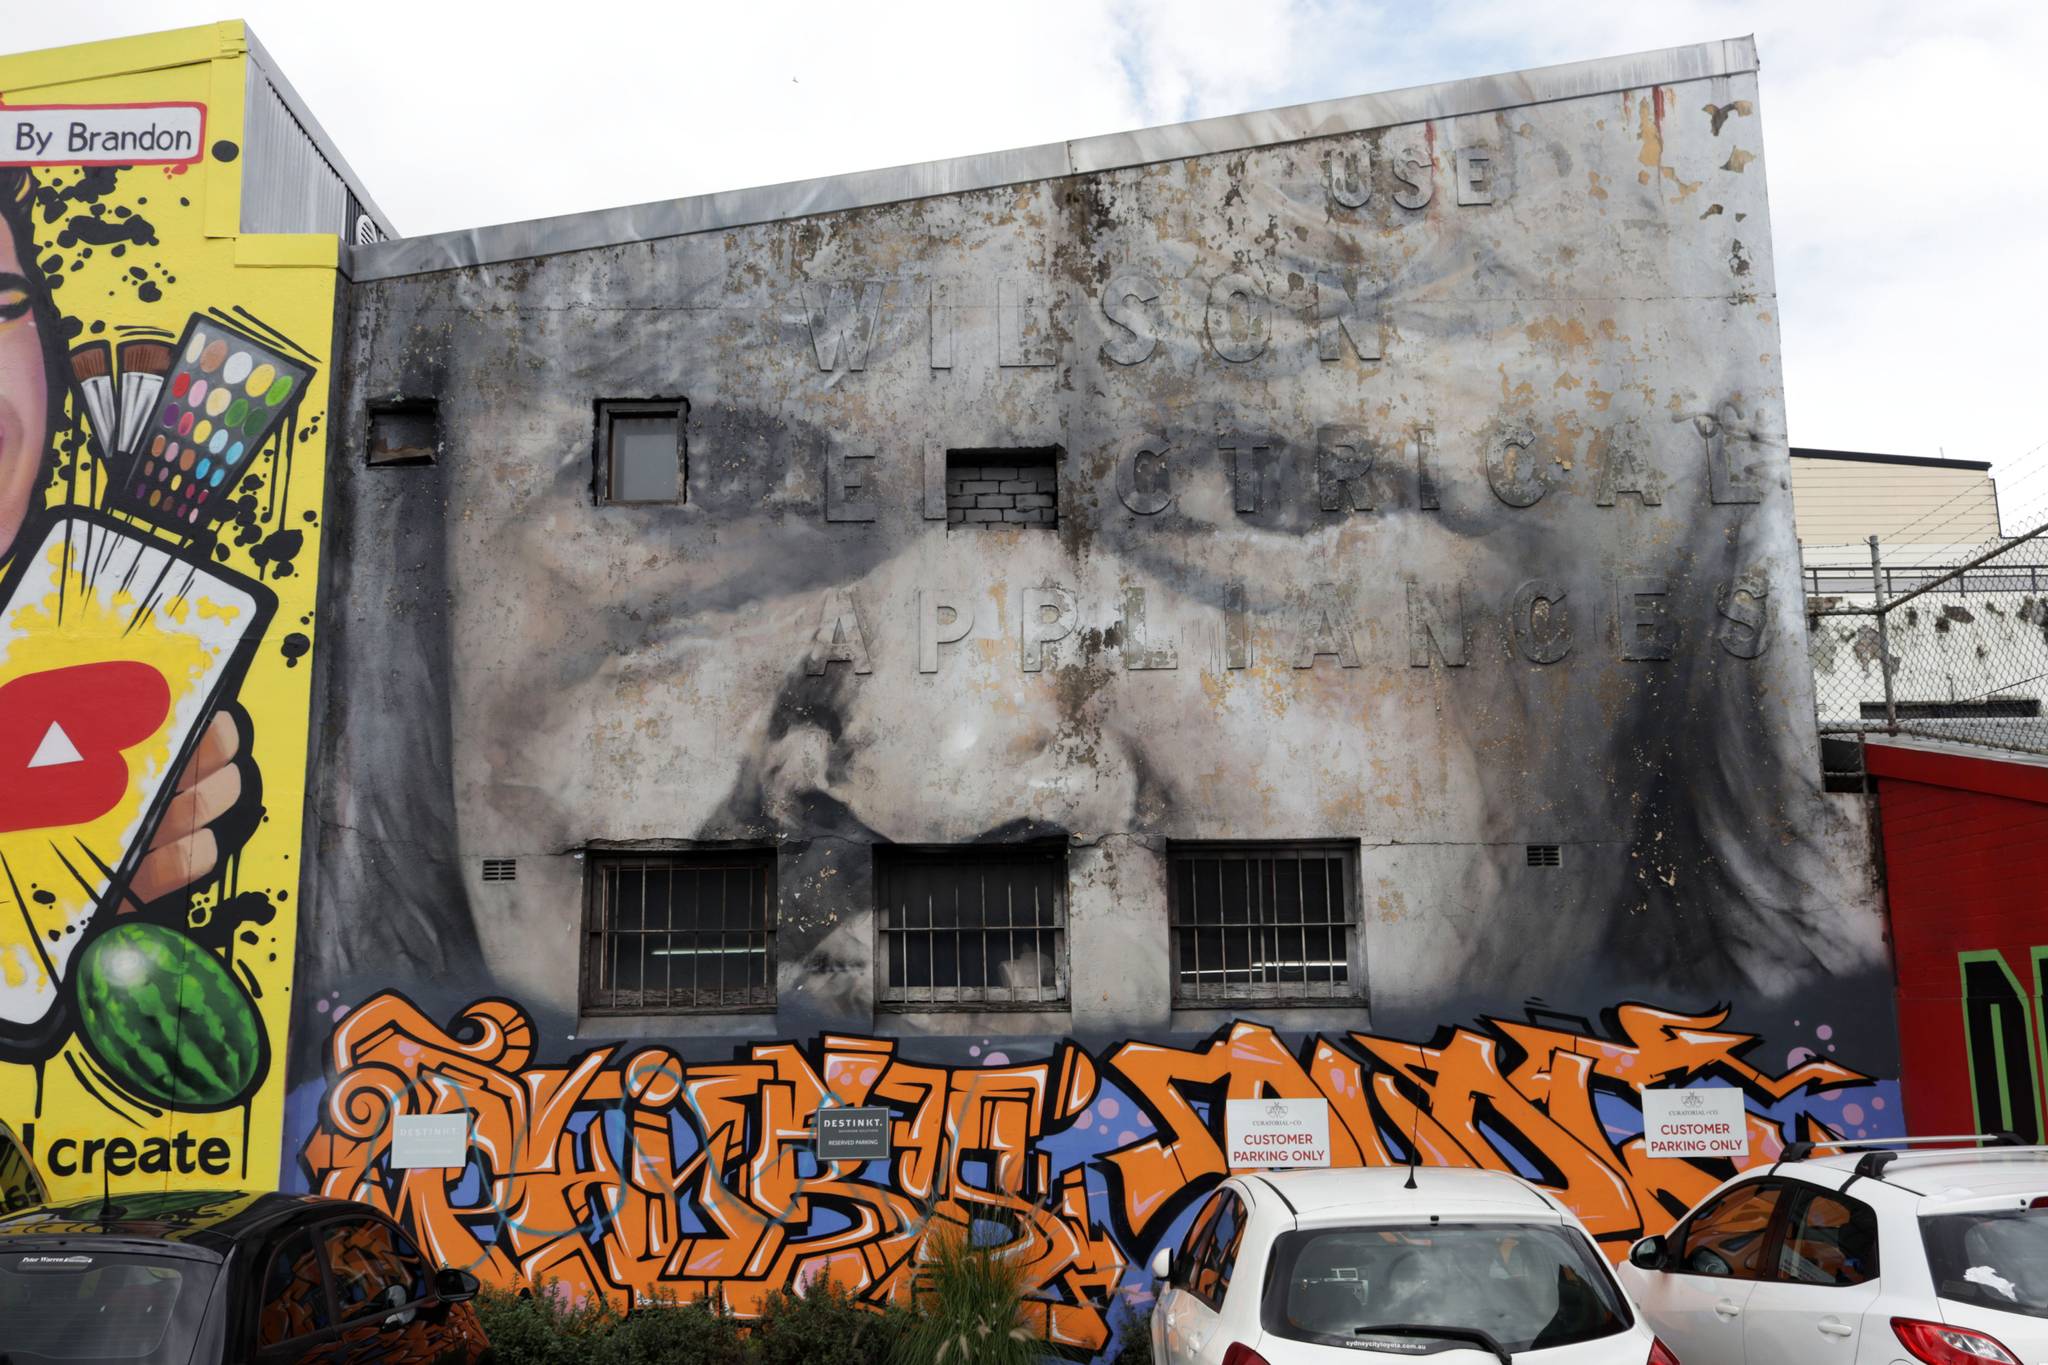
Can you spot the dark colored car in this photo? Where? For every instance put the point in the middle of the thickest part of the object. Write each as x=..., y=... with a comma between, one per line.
x=207, y=1277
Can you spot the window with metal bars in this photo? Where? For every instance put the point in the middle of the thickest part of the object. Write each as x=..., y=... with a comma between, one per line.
x=972, y=926
x=667, y=933
x=1273, y=922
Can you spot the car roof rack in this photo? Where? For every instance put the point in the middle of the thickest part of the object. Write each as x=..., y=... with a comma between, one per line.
x=1873, y=1164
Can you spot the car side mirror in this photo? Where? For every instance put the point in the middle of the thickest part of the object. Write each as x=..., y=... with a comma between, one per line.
x=1162, y=1264
x=455, y=1286
x=1647, y=1254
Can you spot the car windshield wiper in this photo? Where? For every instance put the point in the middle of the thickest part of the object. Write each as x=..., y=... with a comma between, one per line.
x=1417, y=1329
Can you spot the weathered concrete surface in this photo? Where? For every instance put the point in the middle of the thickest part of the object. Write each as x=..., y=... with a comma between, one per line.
x=1597, y=316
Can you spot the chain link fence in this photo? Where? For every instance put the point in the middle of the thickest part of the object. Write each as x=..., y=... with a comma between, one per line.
x=1954, y=652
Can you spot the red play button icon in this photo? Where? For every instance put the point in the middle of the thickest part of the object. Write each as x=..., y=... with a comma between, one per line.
x=62, y=734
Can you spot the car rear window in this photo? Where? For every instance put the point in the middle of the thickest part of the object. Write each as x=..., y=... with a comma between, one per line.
x=1990, y=1258
x=1529, y=1286
x=89, y=1306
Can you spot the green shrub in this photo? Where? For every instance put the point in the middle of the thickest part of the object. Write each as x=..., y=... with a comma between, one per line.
x=669, y=1333
x=541, y=1328
x=824, y=1325
x=547, y=1328
x=968, y=1308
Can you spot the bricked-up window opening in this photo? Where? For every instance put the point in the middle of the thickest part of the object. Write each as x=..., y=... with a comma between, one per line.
x=1545, y=855
x=674, y=932
x=972, y=927
x=641, y=454
x=996, y=488
x=1265, y=921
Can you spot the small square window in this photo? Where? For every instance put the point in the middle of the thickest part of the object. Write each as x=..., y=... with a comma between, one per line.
x=1272, y=922
x=642, y=456
x=404, y=431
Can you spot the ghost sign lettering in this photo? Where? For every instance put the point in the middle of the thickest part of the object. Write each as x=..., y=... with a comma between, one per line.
x=1695, y=1123
x=1278, y=1132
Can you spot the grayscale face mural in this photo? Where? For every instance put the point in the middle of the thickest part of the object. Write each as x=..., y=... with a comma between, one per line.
x=1421, y=490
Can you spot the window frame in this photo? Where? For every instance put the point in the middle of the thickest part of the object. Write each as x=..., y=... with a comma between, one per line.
x=291, y=1347
x=1194, y=1242
x=1280, y=994
x=344, y=1322
x=590, y=997
x=602, y=470
x=890, y=999
x=1219, y=1258
x=1801, y=1196
x=1773, y=1230
x=428, y=409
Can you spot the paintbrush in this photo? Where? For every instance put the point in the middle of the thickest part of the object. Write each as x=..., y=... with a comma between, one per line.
x=143, y=367
x=92, y=365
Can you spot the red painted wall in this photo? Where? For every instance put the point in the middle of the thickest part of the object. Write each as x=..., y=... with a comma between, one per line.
x=1966, y=861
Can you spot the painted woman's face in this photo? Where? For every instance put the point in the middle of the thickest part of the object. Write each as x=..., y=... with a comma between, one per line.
x=24, y=393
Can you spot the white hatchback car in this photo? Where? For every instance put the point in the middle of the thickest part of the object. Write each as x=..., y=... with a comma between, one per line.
x=1858, y=1258
x=1468, y=1267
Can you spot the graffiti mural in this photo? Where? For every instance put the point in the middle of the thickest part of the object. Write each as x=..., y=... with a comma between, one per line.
x=631, y=1172
x=1399, y=513
x=161, y=395
x=2002, y=1022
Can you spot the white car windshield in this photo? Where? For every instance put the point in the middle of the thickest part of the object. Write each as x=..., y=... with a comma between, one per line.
x=1991, y=1258
x=1527, y=1286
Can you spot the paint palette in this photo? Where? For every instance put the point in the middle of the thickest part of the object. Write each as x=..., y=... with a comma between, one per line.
x=227, y=393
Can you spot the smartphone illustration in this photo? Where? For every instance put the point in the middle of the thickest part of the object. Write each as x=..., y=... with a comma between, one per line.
x=116, y=648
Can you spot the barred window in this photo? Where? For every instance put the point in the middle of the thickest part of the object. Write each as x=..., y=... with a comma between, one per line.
x=981, y=927
x=1273, y=922
x=672, y=932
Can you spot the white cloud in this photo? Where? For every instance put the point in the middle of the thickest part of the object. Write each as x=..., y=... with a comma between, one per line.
x=1907, y=181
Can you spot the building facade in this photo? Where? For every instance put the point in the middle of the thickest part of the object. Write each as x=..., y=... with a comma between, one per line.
x=1916, y=505
x=170, y=220
x=1964, y=826
x=1304, y=605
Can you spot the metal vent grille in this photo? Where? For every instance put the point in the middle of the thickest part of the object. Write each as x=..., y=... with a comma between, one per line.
x=501, y=869
x=1546, y=855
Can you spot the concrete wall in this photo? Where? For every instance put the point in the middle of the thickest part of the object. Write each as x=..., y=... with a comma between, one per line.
x=1423, y=486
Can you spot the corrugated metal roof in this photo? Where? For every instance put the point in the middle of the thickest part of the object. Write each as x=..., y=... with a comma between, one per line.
x=297, y=179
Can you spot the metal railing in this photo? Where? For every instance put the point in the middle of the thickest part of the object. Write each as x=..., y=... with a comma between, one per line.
x=1954, y=652
x=1843, y=581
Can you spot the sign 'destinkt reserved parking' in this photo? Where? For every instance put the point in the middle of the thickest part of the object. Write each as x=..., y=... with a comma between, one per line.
x=853, y=1134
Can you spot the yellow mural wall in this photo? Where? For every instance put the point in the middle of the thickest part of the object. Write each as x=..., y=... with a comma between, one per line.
x=163, y=388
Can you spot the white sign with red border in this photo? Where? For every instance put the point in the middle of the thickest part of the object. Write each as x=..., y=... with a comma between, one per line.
x=1277, y=1132
x=102, y=134
x=1710, y=1122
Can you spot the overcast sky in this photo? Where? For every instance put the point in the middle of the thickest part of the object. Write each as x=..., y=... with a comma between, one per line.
x=1908, y=174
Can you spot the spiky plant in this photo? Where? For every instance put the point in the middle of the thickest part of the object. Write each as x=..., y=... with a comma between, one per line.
x=968, y=1307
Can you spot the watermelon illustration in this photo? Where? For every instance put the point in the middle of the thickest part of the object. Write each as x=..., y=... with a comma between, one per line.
x=166, y=1020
